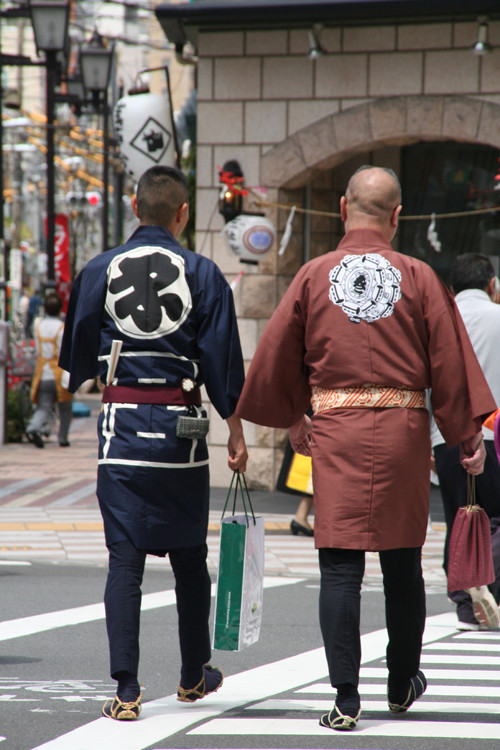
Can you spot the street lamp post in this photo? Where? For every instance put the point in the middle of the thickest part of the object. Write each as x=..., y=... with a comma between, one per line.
x=95, y=64
x=50, y=25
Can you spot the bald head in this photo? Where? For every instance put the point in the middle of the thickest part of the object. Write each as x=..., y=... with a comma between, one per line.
x=372, y=199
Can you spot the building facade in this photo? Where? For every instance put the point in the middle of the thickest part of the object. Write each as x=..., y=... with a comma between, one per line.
x=403, y=91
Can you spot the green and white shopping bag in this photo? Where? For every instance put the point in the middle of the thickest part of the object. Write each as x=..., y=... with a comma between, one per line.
x=240, y=578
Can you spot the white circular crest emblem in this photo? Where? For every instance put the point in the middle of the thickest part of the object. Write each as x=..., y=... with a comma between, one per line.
x=148, y=295
x=365, y=286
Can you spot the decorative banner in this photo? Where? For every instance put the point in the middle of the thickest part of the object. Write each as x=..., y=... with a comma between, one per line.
x=61, y=259
x=144, y=132
x=250, y=237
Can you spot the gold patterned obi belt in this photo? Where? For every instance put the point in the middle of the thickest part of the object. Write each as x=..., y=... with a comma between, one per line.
x=366, y=397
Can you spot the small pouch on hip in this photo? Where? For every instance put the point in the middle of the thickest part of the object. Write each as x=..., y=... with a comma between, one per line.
x=191, y=427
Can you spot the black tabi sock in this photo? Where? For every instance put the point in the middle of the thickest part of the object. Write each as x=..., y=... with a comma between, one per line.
x=348, y=701
x=190, y=677
x=128, y=687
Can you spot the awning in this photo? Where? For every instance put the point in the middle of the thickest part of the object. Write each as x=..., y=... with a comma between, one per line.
x=181, y=21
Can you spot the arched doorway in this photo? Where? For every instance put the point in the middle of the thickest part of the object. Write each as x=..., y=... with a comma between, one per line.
x=445, y=150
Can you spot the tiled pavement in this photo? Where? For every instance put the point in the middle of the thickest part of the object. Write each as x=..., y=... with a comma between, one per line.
x=49, y=512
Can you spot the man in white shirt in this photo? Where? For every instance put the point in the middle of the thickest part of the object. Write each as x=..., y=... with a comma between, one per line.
x=476, y=290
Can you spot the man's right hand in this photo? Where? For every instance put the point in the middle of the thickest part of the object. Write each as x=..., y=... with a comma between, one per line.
x=300, y=434
x=236, y=446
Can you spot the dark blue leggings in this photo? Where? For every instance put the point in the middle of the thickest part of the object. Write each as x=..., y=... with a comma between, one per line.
x=122, y=601
x=342, y=573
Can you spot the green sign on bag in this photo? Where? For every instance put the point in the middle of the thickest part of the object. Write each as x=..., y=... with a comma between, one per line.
x=240, y=578
x=230, y=586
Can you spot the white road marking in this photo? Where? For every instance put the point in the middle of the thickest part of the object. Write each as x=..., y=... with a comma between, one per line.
x=464, y=648
x=433, y=676
x=422, y=706
x=164, y=717
x=465, y=659
x=370, y=728
x=50, y=620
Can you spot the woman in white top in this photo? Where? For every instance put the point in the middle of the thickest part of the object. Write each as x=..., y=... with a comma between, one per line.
x=46, y=386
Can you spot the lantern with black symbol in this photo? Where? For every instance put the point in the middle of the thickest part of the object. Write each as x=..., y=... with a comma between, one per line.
x=144, y=131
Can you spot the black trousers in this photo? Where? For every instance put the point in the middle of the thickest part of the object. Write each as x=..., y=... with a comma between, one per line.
x=122, y=601
x=453, y=487
x=342, y=573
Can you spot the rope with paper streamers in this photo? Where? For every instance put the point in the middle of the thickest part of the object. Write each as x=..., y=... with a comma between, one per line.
x=432, y=234
x=417, y=217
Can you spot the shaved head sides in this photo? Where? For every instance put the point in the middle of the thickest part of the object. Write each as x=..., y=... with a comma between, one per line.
x=160, y=193
x=373, y=191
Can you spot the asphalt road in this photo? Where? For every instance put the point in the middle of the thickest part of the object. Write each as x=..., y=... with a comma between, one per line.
x=54, y=673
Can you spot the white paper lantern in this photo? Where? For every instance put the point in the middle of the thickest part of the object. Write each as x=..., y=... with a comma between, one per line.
x=251, y=238
x=143, y=129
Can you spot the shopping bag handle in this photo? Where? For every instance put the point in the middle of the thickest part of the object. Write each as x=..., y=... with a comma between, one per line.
x=241, y=485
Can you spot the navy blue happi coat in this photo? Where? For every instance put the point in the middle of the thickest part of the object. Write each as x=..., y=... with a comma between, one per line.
x=174, y=312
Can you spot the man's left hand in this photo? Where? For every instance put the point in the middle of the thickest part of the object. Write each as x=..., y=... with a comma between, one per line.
x=473, y=455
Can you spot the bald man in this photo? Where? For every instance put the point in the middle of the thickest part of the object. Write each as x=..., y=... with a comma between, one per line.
x=360, y=334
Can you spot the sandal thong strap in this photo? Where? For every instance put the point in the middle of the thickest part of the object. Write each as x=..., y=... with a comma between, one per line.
x=337, y=720
x=122, y=710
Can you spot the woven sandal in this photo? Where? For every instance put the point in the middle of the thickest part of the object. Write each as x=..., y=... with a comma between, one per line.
x=117, y=709
x=341, y=722
x=199, y=691
x=418, y=685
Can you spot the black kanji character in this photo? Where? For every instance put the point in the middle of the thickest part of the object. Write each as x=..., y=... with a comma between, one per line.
x=146, y=276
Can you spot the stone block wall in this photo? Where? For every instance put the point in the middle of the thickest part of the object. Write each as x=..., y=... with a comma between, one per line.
x=298, y=127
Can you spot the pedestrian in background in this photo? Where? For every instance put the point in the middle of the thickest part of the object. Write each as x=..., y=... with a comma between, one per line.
x=361, y=333
x=47, y=385
x=34, y=305
x=172, y=313
x=475, y=286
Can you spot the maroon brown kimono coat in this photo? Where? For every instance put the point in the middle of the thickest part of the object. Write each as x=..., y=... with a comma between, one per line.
x=365, y=314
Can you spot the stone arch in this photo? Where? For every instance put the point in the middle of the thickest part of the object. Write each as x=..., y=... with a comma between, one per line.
x=387, y=121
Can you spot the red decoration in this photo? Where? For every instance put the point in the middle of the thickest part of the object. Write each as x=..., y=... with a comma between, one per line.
x=232, y=181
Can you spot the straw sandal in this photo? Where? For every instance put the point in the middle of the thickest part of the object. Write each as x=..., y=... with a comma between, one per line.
x=117, y=709
x=340, y=721
x=418, y=685
x=190, y=695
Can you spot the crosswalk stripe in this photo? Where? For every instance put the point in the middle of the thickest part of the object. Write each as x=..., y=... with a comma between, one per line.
x=24, y=626
x=465, y=659
x=421, y=706
x=438, y=675
x=435, y=688
x=370, y=728
x=464, y=648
